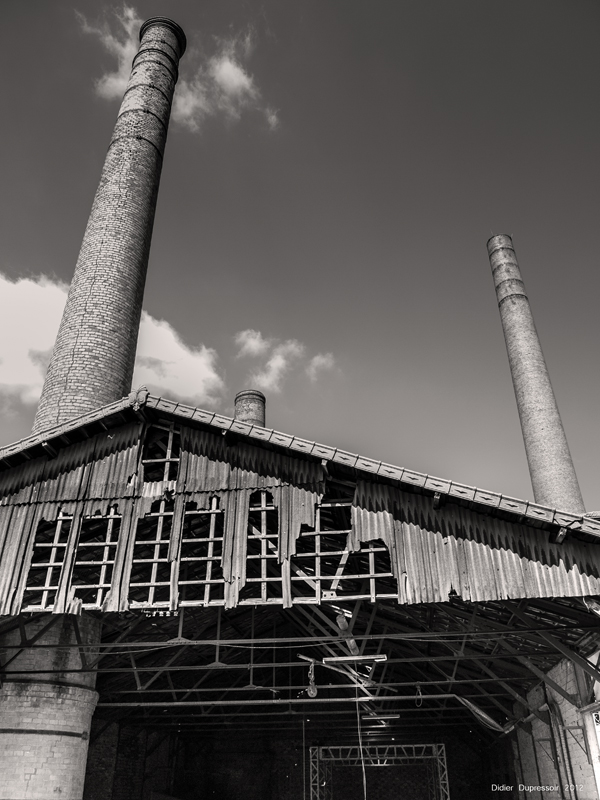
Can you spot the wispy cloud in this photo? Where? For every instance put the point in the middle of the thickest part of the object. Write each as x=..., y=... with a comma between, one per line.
x=279, y=363
x=164, y=363
x=210, y=84
x=280, y=359
x=251, y=343
x=119, y=36
x=319, y=363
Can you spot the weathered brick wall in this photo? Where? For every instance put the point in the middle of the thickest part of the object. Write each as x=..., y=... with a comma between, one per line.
x=129, y=769
x=92, y=362
x=45, y=716
x=101, y=761
x=129, y=763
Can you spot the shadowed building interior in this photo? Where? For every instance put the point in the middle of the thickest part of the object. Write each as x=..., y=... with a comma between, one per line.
x=195, y=606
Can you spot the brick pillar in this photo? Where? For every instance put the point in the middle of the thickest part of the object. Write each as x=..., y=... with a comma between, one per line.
x=45, y=716
x=92, y=362
x=550, y=466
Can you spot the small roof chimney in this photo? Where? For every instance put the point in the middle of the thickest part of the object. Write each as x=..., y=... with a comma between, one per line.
x=250, y=407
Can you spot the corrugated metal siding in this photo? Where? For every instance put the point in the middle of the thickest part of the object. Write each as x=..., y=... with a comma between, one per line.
x=210, y=466
x=433, y=552
x=209, y=463
x=454, y=549
x=83, y=478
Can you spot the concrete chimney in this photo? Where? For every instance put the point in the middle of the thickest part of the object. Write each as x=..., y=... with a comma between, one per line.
x=93, y=357
x=550, y=465
x=250, y=407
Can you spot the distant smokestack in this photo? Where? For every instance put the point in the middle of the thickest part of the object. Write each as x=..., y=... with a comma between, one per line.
x=92, y=362
x=250, y=407
x=550, y=466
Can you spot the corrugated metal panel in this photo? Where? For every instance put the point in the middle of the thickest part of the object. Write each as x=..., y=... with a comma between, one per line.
x=16, y=484
x=433, y=552
x=296, y=506
x=207, y=463
x=455, y=549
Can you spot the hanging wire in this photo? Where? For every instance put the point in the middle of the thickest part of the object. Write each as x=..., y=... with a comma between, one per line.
x=303, y=758
x=419, y=700
x=360, y=744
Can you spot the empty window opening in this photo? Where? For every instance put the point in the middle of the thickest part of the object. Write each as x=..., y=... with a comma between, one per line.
x=160, y=455
x=200, y=573
x=324, y=569
x=263, y=570
x=150, y=580
x=46, y=562
x=92, y=569
x=95, y=558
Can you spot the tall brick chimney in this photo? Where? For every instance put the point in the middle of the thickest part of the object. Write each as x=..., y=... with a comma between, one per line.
x=92, y=361
x=550, y=466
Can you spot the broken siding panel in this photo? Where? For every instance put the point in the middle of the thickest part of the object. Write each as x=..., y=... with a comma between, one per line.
x=235, y=541
x=16, y=556
x=296, y=506
x=481, y=558
x=117, y=598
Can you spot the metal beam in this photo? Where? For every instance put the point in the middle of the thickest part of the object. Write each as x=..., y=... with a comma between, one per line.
x=586, y=665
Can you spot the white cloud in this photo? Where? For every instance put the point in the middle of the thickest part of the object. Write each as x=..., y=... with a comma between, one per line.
x=219, y=83
x=318, y=363
x=166, y=365
x=251, y=343
x=120, y=40
x=30, y=313
x=272, y=118
x=192, y=102
x=281, y=360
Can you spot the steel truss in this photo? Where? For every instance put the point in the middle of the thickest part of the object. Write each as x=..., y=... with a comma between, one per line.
x=433, y=756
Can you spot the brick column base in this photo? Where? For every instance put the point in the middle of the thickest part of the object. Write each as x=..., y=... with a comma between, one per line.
x=47, y=699
x=44, y=732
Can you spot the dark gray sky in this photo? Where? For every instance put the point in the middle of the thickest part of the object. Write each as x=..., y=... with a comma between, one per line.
x=408, y=132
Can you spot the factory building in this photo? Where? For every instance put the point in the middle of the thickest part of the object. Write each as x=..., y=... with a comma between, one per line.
x=194, y=606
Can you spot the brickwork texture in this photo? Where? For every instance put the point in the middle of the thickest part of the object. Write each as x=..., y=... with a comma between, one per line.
x=45, y=717
x=93, y=357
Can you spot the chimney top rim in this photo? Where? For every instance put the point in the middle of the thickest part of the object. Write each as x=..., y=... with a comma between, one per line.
x=167, y=23
x=499, y=246
x=251, y=393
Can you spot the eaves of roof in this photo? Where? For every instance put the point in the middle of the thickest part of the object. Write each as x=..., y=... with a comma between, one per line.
x=114, y=414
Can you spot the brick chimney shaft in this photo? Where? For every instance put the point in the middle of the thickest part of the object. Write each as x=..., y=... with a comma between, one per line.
x=93, y=357
x=250, y=407
x=550, y=465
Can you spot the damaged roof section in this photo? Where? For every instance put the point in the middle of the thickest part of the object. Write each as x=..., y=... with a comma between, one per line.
x=142, y=405
x=147, y=504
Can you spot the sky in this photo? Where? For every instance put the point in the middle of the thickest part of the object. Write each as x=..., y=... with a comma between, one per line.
x=333, y=171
